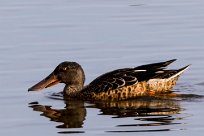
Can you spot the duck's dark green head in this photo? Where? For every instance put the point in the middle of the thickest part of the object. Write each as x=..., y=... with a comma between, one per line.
x=70, y=73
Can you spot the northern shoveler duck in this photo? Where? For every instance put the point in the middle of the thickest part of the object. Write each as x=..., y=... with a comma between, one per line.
x=145, y=80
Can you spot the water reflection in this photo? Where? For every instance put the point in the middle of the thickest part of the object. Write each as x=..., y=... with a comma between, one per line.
x=140, y=107
x=151, y=111
x=72, y=116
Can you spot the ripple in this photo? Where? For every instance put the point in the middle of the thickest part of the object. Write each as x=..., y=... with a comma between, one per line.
x=131, y=131
x=71, y=132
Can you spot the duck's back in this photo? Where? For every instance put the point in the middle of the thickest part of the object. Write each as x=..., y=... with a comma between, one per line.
x=121, y=84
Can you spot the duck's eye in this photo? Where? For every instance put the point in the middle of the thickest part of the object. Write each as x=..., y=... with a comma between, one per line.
x=64, y=68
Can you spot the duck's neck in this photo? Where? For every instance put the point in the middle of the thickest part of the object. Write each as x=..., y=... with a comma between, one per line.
x=72, y=90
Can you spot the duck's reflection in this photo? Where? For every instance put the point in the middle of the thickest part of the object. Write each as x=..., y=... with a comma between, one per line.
x=72, y=116
x=140, y=107
x=143, y=109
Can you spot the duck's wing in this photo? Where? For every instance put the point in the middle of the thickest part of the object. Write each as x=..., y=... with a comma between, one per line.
x=156, y=66
x=114, y=79
x=127, y=76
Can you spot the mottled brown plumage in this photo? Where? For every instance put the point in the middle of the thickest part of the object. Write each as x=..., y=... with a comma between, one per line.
x=120, y=84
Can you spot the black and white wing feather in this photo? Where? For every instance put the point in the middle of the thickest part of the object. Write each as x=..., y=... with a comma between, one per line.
x=126, y=77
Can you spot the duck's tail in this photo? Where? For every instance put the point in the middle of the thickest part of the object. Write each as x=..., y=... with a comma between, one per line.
x=179, y=72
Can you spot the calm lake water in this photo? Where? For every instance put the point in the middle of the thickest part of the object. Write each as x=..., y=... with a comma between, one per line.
x=101, y=35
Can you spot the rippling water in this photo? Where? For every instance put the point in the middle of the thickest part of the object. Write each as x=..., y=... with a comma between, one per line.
x=101, y=35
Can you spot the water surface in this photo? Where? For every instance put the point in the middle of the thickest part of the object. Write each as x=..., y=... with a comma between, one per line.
x=101, y=35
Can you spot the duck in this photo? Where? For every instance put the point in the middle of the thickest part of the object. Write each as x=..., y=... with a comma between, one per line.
x=121, y=84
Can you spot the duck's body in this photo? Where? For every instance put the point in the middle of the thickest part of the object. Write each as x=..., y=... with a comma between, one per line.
x=121, y=84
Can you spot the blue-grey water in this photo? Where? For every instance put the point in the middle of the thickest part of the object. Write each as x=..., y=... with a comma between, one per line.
x=101, y=35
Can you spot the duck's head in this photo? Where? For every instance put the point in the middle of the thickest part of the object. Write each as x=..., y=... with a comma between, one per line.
x=69, y=73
